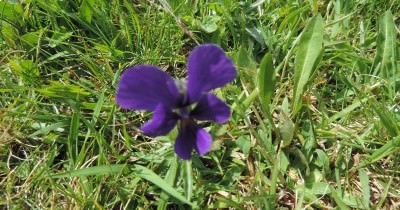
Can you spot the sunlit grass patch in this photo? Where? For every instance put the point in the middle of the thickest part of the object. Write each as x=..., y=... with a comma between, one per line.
x=315, y=106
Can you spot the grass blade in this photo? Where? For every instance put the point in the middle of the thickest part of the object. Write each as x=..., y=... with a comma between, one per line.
x=92, y=171
x=389, y=148
x=170, y=179
x=73, y=136
x=150, y=176
x=346, y=111
x=387, y=118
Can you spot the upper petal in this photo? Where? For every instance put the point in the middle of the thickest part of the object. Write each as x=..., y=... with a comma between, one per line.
x=192, y=137
x=162, y=122
x=211, y=108
x=144, y=87
x=208, y=68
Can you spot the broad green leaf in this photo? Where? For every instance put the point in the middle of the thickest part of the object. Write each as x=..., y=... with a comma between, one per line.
x=322, y=161
x=284, y=162
x=320, y=188
x=152, y=177
x=307, y=58
x=209, y=24
x=353, y=201
x=286, y=106
x=246, y=66
x=385, y=62
x=231, y=174
x=58, y=38
x=26, y=69
x=256, y=34
x=286, y=129
x=86, y=10
x=266, y=82
x=339, y=201
x=365, y=187
x=11, y=12
x=9, y=34
x=31, y=38
x=301, y=158
x=243, y=142
x=92, y=171
x=308, y=194
x=223, y=202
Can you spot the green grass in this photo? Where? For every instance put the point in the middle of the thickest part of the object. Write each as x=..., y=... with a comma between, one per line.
x=315, y=106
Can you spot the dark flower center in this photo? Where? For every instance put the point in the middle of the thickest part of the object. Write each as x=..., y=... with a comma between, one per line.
x=184, y=109
x=183, y=112
x=184, y=106
x=185, y=122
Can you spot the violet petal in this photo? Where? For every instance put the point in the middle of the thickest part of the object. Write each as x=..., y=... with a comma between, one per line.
x=192, y=137
x=208, y=68
x=203, y=141
x=144, y=87
x=162, y=122
x=211, y=108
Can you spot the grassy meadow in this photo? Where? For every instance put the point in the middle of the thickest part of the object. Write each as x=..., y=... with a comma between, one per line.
x=315, y=108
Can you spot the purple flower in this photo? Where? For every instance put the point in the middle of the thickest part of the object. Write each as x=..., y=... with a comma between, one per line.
x=146, y=87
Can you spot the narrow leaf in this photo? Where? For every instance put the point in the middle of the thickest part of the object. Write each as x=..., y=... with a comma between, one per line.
x=188, y=179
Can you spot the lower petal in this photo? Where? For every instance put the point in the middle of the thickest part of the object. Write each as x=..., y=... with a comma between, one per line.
x=203, y=141
x=162, y=122
x=192, y=137
x=184, y=145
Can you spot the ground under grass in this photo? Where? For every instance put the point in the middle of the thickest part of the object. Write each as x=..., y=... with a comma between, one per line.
x=315, y=118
